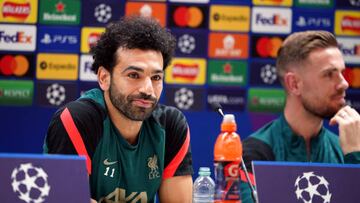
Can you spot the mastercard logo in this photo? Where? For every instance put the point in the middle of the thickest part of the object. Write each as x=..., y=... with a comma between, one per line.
x=268, y=46
x=352, y=76
x=14, y=65
x=188, y=16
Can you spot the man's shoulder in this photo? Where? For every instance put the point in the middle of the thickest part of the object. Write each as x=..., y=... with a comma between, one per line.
x=84, y=109
x=267, y=132
x=168, y=115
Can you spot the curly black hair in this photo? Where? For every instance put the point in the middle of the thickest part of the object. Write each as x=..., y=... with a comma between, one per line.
x=132, y=32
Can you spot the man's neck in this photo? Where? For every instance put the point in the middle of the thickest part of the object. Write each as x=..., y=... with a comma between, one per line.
x=302, y=122
x=128, y=129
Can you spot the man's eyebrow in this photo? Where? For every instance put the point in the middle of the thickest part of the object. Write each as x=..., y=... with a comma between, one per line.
x=133, y=68
x=330, y=69
x=158, y=71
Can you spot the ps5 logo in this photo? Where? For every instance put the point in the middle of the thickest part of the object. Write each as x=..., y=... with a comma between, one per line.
x=59, y=39
x=302, y=21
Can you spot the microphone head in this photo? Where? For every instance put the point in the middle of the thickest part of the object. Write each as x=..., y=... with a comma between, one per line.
x=215, y=106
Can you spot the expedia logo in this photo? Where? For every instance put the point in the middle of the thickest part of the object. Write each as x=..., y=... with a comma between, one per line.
x=45, y=65
x=188, y=16
x=15, y=65
x=351, y=23
x=266, y=47
x=231, y=18
x=16, y=10
x=57, y=66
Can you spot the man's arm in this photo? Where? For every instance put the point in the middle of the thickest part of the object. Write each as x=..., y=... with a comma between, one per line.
x=176, y=189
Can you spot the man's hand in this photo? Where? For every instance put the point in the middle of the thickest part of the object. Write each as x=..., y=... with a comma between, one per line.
x=349, y=129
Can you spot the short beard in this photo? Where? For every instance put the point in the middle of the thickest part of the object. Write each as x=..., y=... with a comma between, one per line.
x=124, y=104
x=322, y=111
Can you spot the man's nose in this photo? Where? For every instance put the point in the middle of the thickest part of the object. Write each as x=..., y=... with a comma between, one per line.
x=147, y=87
x=343, y=83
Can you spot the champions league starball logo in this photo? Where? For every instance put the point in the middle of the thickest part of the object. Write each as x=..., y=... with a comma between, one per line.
x=30, y=183
x=184, y=98
x=55, y=94
x=311, y=188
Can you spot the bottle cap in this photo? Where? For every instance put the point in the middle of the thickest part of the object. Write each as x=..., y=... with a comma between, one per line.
x=204, y=171
x=229, y=118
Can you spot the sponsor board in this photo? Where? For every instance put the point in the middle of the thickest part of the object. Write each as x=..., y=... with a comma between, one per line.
x=222, y=72
x=315, y=3
x=305, y=19
x=263, y=74
x=273, y=2
x=186, y=71
x=100, y=13
x=185, y=98
x=154, y=10
x=352, y=76
x=271, y=20
x=86, y=73
x=85, y=86
x=16, y=65
x=16, y=92
x=353, y=100
x=348, y=3
x=190, y=1
x=188, y=16
x=266, y=100
x=230, y=18
x=229, y=98
x=347, y=22
x=190, y=43
x=58, y=39
x=57, y=66
x=17, y=37
x=228, y=45
x=55, y=94
x=89, y=37
x=350, y=48
x=18, y=11
x=265, y=46
x=59, y=12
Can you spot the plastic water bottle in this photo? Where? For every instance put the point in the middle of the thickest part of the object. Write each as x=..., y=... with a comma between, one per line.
x=204, y=187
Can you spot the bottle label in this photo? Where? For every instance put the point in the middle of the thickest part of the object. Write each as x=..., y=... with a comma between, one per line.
x=227, y=180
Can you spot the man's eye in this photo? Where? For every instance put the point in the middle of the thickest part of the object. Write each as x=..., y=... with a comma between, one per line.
x=133, y=75
x=156, y=77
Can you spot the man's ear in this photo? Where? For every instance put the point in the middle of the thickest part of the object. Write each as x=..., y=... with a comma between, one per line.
x=103, y=76
x=292, y=83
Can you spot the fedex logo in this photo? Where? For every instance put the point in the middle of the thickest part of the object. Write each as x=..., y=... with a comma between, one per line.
x=17, y=37
x=271, y=20
x=350, y=48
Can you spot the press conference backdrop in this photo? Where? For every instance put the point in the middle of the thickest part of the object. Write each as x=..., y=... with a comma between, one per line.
x=225, y=53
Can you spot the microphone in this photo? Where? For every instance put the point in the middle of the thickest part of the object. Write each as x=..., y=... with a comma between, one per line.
x=217, y=107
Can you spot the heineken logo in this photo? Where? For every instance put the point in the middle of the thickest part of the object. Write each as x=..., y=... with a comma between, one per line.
x=60, y=12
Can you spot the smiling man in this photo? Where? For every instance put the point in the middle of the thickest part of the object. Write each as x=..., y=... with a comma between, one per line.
x=134, y=146
x=309, y=66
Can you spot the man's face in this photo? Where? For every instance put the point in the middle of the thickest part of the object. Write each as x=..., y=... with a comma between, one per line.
x=322, y=83
x=136, y=82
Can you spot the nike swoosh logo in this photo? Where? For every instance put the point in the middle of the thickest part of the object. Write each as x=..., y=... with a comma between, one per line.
x=107, y=163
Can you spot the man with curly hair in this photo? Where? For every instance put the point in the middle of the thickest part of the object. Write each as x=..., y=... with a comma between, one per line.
x=135, y=147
